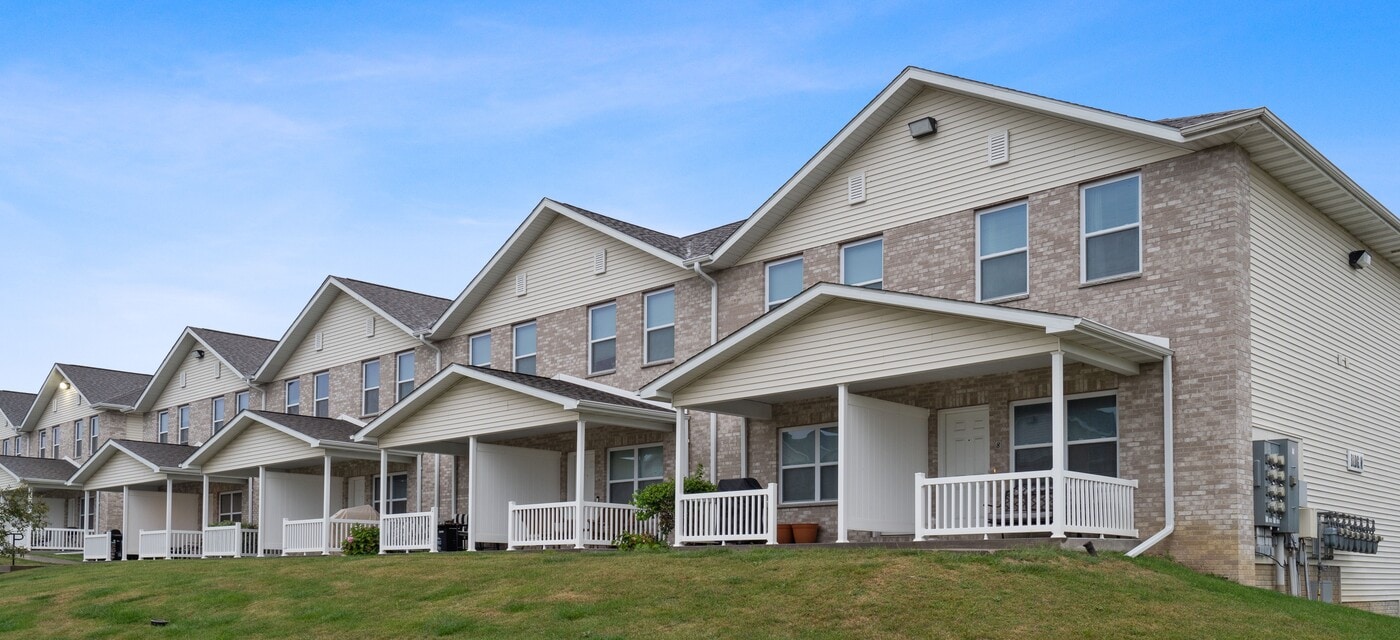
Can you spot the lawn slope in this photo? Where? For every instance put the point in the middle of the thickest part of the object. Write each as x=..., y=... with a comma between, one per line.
x=720, y=593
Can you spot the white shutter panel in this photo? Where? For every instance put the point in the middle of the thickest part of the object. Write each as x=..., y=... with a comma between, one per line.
x=520, y=282
x=998, y=147
x=600, y=261
x=855, y=188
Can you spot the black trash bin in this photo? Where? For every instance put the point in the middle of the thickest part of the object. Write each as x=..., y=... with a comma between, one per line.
x=116, y=544
x=451, y=536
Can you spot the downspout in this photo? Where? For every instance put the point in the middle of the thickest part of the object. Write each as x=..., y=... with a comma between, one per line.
x=714, y=337
x=1168, y=468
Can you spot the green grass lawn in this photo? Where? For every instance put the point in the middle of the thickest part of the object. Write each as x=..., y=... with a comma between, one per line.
x=722, y=593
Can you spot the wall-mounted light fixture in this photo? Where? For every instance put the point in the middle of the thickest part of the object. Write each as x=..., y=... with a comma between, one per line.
x=63, y=384
x=925, y=126
x=198, y=354
x=1359, y=259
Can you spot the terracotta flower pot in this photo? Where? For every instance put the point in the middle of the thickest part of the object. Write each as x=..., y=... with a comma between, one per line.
x=784, y=534
x=805, y=533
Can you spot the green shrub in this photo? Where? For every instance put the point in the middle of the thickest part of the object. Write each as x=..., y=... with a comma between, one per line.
x=659, y=500
x=362, y=541
x=635, y=541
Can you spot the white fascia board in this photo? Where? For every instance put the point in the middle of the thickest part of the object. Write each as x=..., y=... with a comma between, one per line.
x=295, y=333
x=606, y=408
x=1152, y=348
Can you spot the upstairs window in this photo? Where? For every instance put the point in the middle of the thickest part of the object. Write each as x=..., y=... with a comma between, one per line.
x=56, y=432
x=43, y=443
x=5, y=447
x=369, y=387
x=1002, y=253
x=321, y=401
x=163, y=426
x=863, y=263
x=602, y=338
x=184, y=413
x=294, y=397
x=216, y=414
x=783, y=280
x=1111, y=239
x=405, y=369
x=525, y=348
x=481, y=350
x=660, y=338
x=79, y=436
x=240, y=401
x=92, y=434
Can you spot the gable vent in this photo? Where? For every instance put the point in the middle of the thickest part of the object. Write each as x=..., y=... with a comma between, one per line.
x=520, y=282
x=998, y=147
x=369, y=327
x=218, y=369
x=855, y=188
x=320, y=340
x=600, y=261
x=182, y=379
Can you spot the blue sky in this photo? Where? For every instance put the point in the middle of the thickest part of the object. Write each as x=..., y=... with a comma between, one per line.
x=209, y=164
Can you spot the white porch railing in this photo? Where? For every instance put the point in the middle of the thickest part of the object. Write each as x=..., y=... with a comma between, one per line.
x=97, y=547
x=409, y=531
x=728, y=516
x=552, y=524
x=55, y=539
x=169, y=544
x=308, y=536
x=1021, y=503
x=340, y=530
x=232, y=541
x=150, y=544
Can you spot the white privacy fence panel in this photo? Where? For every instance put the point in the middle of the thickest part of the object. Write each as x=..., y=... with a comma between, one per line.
x=151, y=544
x=884, y=443
x=409, y=531
x=547, y=524
x=97, y=547
x=728, y=516
x=1099, y=505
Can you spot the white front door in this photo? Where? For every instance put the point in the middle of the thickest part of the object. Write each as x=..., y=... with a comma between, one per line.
x=963, y=442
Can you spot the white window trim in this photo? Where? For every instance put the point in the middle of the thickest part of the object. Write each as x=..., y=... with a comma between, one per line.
x=365, y=388
x=215, y=424
x=219, y=506
x=375, y=489
x=515, y=346
x=471, y=349
x=399, y=380
x=768, y=282
x=849, y=245
x=182, y=419
x=608, y=482
x=816, y=464
x=43, y=443
x=592, y=341
x=1117, y=451
x=287, y=391
x=1025, y=248
x=163, y=426
x=647, y=328
x=1084, y=235
x=93, y=425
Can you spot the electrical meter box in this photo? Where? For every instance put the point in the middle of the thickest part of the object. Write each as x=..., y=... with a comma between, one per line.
x=1277, y=485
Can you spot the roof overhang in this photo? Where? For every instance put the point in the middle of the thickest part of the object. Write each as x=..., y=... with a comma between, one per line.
x=36, y=483
x=113, y=448
x=544, y=213
x=166, y=372
x=45, y=396
x=315, y=448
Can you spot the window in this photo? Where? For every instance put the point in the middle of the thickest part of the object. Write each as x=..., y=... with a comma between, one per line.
x=87, y=511
x=79, y=435
x=294, y=397
x=525, y=348
x=231, y=506
x=184, y=417
x=92, y=434
x=1091, y=429
x=1111, y=245
x=405, y=371
x=602, y=338
x=163, y=426
x=784, y=280
x=481, y=350
x=632, y=468
x=217, y=413
x=321, y=400
x=43, y=443
x=863, y=263
x=56, y=440
x=369, y=396
x=398, y=493
x=807, y=464
x=5, y=447
x=1002, y=264
x=240, y=402
x=660, y=336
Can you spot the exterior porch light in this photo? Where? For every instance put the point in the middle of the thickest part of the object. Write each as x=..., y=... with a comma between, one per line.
x=925, y=126
x=1359, y=259
x=63, y=384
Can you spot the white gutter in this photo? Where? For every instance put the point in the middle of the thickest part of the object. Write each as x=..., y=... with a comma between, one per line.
x=1168, y=468
x=714, y=337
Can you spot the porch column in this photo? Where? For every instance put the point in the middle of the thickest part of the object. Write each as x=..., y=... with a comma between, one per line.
x=169, y=516
x=204, y=509
x=383, y=489
x=842, y=414
x=682, y=448
x=578, y=484
x=262, y=496
x=326, y=507
x=126, y=513
x=1057, y=444
x=471, y=494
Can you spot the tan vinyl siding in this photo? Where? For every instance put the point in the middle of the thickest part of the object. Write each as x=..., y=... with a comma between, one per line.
x=1307, y=309
x=65, y=407
x=344, y=341
x=474, y=408
x=135, y=427
x=259, y=445
x=847, y=341
x=559, y=268
x=7, y=481
x=200, y=383
x=120, y=470
x=909, y=180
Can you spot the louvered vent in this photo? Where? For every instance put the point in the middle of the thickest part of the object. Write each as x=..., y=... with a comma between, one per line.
x=520, y=284
x=182, y=379
x=218, y=369
x=600, y=261
x=998, y=147
x=320, y=340
x=369, y=327
x=855, y=188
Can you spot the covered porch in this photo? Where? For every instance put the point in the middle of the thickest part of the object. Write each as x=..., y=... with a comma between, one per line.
x=891, y=416
x=530, y=444
x=70, y=513
x=160, y=501
x=311, y=484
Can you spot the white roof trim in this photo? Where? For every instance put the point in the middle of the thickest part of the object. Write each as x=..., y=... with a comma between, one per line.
x=314, y=310
x=44, y=397
x=617, y=391
x=238, y=424
x=105, y=453
x=173, y=359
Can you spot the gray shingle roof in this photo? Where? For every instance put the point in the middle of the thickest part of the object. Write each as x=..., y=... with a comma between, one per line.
x=106, y=386
x=568, y=389
x=417, y=311
x=686, y=247
x=15, y=405
x=1187, y=121
x=159, y=453
x=318, y=428
x=244, y=353
x=38, y=468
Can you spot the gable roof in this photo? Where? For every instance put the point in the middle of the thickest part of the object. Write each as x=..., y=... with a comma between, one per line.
x=240, y=353
x=101, y=388
x=413, y=313
x=15, y=404
x=1271, y=144
x=157, y=456
x=315, y=432
x=675, y=250
x=37, y=470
